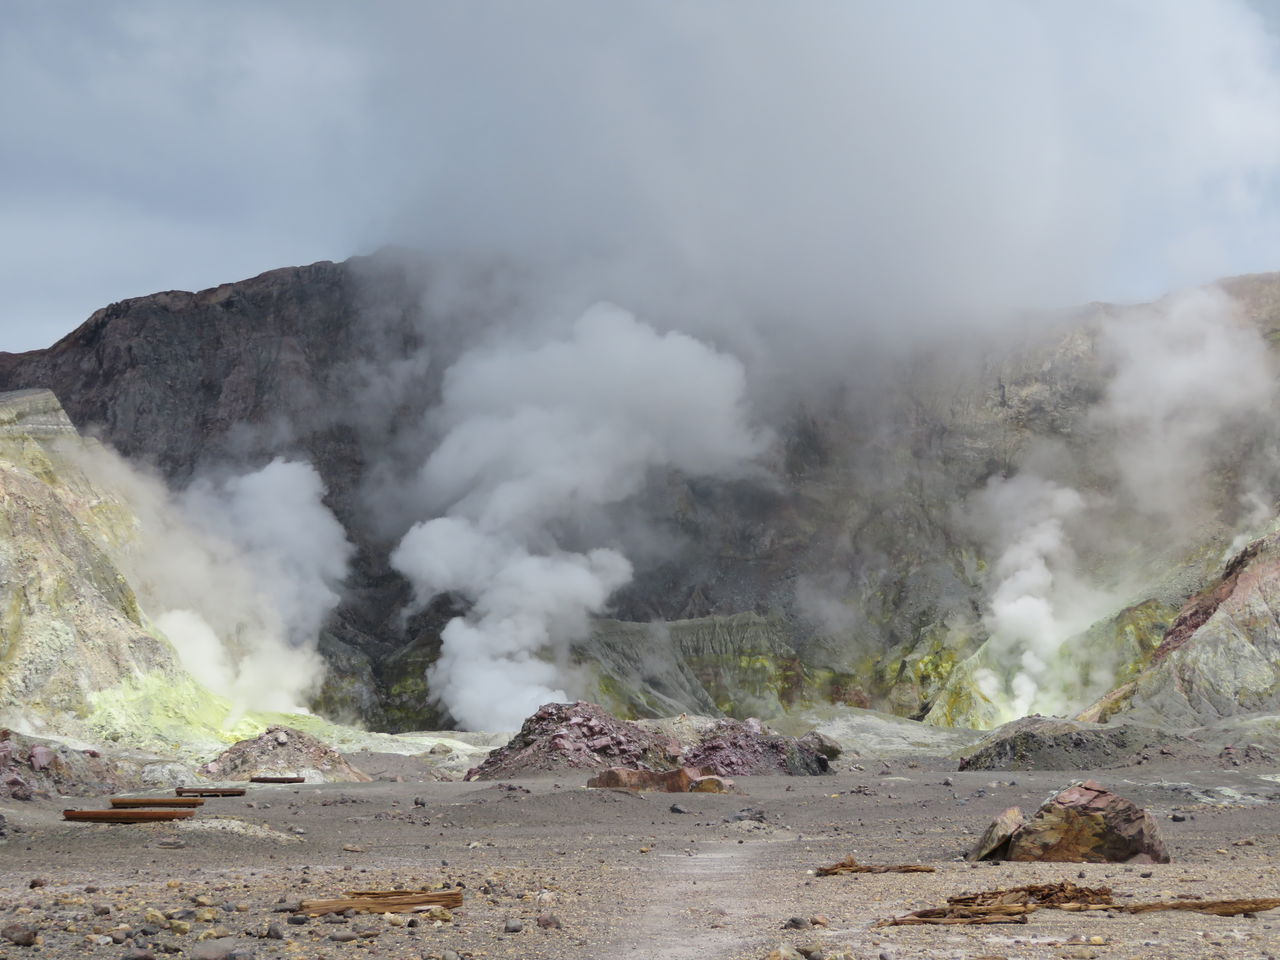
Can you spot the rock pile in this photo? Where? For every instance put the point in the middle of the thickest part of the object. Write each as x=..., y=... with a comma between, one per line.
x=584, y=736
x=578, y=735
x=283, y=751
x=1085, y=823
x=1051, y=743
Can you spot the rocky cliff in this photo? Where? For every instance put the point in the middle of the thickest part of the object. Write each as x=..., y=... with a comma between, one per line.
x=861, y=570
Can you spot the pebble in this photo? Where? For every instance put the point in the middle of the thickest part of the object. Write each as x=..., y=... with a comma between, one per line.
x=549, y=921
x=344, y=936
x=797, y=923
x=275, y=931
x=513, y=926
x=450, y=955
x=137, y=953
x=298, y=919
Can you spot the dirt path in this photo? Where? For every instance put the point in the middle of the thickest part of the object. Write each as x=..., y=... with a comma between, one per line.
x=690, y=904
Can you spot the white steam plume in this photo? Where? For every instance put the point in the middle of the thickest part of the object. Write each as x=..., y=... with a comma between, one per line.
x=538, y=438
x=1038, y=600
x=239, y=574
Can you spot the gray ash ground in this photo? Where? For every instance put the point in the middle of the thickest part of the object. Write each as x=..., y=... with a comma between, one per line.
x=627, y=877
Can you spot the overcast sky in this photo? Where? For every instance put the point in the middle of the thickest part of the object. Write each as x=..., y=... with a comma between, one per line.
x=814, y=158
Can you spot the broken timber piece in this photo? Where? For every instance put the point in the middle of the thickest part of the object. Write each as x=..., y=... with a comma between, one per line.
x=125, y=802
x=1002, y=913
x=384, y=901
x=851, y=865
x=125, y=816
x=1221, y=908
x=210, y=791
x=277, y=779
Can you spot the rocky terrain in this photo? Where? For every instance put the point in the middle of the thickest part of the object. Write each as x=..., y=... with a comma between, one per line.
x=550, y=870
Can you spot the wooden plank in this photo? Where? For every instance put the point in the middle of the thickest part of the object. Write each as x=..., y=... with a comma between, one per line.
x=385, y=901
x=125, y=816
x=1221, y=908
x=127, y=802
x=277, y=779
x=210, y=791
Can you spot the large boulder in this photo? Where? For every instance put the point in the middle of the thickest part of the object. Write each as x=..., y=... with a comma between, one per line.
x=1085, y=823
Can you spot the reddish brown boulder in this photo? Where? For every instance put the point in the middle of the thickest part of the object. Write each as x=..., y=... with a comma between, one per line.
x=1088, y=823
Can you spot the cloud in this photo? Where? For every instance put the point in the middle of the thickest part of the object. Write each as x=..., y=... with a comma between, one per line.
x=832, y=169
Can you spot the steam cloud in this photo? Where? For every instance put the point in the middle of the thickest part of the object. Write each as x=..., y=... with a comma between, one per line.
x=239, y=574
x=538, y=437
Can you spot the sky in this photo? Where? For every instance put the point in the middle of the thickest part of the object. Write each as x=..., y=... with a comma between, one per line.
x=803, y=160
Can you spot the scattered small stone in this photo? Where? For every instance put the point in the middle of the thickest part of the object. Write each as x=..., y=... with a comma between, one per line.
x=298, y=919
x=138, y=953
x=344, y=936
x=353, y=848
x=512, y=926
x=37, y=882
x=677, y=808
x=275, y=931
x=549, y=921
x=797, y=923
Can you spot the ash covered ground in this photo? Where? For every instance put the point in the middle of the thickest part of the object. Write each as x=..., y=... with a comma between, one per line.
x=616, y=874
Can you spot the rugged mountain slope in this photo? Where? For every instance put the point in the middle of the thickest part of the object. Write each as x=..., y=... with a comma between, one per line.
x=867, y=568
x=73, y=639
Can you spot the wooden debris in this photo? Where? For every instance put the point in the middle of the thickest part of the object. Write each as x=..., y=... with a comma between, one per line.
x=851, y=865
x=1220, y=908
x=1002, y=913
x=125, y=816
x=210, y=791
x=1063, y=895
x=126, y=802
x=1013, y=905
x=277, y=779
x=384, y=901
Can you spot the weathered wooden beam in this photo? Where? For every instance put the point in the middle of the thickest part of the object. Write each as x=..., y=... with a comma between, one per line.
x=384, y=901
x=210, y=791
